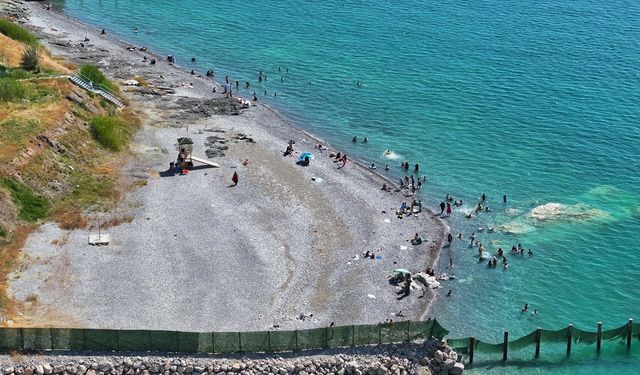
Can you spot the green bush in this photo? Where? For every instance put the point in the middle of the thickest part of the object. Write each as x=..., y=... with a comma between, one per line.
x=16, y=32
x=30, y=58
x=94, y=74
x=12, y=90
x=3, y=232
x=110, y=132
x=32, y=206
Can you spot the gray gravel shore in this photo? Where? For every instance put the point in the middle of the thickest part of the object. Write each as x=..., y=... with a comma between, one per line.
x=200, y=255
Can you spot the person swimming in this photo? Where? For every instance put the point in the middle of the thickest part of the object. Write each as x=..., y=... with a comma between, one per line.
x=354, y=139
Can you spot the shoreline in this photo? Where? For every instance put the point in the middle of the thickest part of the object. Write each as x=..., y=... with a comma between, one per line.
x=261, y=111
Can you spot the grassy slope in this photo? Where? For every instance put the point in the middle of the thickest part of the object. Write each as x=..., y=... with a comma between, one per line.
x=83, y=179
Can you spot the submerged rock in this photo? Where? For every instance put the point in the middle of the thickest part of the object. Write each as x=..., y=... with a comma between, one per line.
x=558, y=211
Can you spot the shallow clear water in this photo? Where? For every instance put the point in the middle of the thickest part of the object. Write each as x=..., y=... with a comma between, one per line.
x=535, y=100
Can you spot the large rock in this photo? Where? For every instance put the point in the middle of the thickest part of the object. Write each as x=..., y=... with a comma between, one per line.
x=457, y=369
x=439, y=356
x=448, y=364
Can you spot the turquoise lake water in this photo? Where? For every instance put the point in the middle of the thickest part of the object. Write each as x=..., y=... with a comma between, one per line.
x=538, y=100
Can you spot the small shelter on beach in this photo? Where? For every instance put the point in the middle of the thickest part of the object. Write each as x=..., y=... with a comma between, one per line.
x=185, y=155
x=185, y=148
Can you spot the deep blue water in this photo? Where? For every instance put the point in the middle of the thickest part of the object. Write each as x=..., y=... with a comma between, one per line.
x=538, y=100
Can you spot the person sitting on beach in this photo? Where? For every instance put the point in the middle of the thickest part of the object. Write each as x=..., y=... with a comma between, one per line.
x=366, y=255
x=403, y=206
x=288, y=151
x=372, y=166
x=417, y=240
x=384, y=186
x=338, y=156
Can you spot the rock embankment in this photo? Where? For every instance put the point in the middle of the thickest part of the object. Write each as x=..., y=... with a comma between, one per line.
x=430, y=357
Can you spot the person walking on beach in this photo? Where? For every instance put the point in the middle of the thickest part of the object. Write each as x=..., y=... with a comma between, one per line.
x=448, y=209
x=449, y=238
x=442, y=207
x=234, y=179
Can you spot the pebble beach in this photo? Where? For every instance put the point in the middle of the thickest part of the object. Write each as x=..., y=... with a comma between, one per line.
x=281, y=250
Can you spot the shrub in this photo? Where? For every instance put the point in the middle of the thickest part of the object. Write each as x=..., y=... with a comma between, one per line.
x=16, y=32
x=12, y=90
x=30, y=58
x=94, y=74
x=109, y=132
x=32, y=206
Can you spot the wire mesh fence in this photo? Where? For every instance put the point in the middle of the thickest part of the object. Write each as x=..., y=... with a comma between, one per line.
x=79, y=339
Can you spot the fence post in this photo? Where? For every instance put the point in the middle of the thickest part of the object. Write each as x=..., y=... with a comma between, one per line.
x=353, y=335
x=326, y=337
x=538, y=337
x=629, y=329
x=84, y=339
x=505, y=346
x=599, y=337
x=569, y=334
x=472, y=344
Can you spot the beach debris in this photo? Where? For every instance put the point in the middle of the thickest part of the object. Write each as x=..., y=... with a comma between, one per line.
x=402, y=247
x=371, y=296
x=131, y=82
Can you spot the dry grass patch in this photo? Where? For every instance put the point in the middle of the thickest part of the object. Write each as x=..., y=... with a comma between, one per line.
x=70, y=220
x=12, y=52
x=8, y=255
x=115, y=221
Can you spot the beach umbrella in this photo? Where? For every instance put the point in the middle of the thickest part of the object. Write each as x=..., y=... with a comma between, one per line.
x=305, y=155
x=402, y=271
